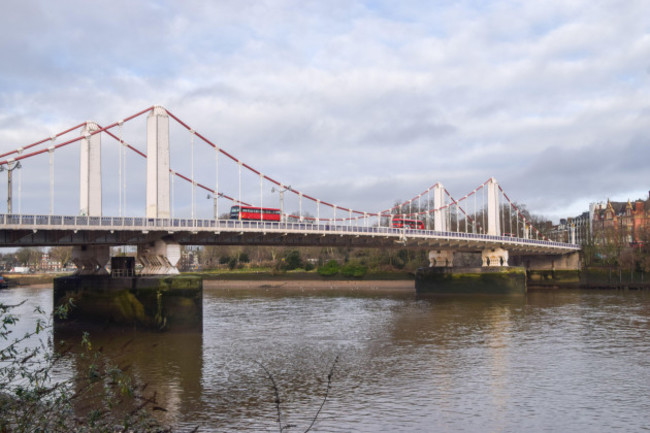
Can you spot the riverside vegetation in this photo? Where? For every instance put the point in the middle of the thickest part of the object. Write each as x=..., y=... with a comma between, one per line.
x=33, y=396
x=36, y=395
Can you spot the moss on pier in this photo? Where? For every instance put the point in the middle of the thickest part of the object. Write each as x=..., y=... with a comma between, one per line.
x=149, y=302
x=476, y=280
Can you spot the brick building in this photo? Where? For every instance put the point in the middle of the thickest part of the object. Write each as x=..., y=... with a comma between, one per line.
x=624, y=222
x=580, y=226
x=48, y=264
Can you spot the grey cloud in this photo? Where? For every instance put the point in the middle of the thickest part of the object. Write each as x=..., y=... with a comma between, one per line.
x=386, y=100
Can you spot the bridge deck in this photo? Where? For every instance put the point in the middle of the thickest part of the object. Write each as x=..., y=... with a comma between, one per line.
x=49, y=230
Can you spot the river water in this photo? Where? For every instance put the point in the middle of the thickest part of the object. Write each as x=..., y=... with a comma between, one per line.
x=549, y=361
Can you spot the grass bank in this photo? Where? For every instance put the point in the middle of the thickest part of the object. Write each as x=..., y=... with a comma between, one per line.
x=31, y=279
x=262, y=274
x=271, y=275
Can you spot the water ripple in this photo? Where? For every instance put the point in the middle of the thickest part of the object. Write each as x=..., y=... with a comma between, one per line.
x=551, y=361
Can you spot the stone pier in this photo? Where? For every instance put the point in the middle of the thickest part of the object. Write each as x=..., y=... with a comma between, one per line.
x=551, y=271
x=155, y=302
x=494, y=276
x=492, y=280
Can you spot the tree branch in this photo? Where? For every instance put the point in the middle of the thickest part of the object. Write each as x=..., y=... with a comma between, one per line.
x=327, y=391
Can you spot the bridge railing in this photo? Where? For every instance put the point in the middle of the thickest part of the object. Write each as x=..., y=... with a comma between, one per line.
x=184, y=224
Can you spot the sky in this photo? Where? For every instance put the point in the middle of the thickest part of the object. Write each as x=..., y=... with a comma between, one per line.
x=358, y=103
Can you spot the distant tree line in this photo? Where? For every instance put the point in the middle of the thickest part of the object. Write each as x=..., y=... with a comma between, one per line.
x=611, y=248
x=353, y=261
x=32, y=257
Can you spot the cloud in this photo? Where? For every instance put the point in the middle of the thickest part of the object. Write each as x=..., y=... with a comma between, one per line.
x=387, y=98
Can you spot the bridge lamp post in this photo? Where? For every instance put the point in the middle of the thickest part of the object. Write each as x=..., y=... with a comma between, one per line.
x=215, y=206
x=281, y=191
x=11, y=166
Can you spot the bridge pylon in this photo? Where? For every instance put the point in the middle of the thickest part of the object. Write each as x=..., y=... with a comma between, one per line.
x=493, y=214
x=158, y=197
x=439, y=214
x=90, y=259
x=90, y=172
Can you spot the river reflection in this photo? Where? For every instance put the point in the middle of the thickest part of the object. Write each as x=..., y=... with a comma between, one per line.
x=549, y=361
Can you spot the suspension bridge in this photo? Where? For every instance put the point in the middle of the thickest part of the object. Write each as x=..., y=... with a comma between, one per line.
x=134, y=188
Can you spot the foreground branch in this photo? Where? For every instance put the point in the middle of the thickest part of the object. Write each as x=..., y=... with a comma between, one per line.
x=278, y=402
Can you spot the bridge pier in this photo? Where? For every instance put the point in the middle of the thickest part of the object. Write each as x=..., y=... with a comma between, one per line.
x=552, y=271
x=564, y=262
x=157, y=299
x=159, y=257
x=441, y=258
x=483, y=280
x=493, y=277
x=494, y=257
x=160, y=303
x=91, y=259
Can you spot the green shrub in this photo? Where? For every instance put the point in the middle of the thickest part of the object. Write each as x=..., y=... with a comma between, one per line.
x=354, y=270
x=329, y=269
x=32, y=399
x=292, y=261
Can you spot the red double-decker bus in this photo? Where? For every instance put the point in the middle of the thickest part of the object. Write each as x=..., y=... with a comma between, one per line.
x=399, y=223
x=252, y=213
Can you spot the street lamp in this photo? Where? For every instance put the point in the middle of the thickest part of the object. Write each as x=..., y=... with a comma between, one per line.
x=11, y=166
x=281, y=191
x=215, y=197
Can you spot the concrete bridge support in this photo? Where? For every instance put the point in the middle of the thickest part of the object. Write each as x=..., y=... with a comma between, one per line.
x=441, y=258
x=154, y=303
x=158, y=197
x=494, y=257
x=159, y=257
x=564, y=262
x=90, y=172
x=552, y=271
x=91, y=259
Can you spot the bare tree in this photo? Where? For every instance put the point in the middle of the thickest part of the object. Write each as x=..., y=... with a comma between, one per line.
x=61, y=254
x=29, y=256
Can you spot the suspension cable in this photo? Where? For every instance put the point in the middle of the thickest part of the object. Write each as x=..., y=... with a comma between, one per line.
x=239, y=165
x=216, y=183
x=51, y=149
x=192, y=175
x=261, y=198
x=124, y=147
x=483, y=210
x=20, y=188
x=120, y=154
x=510, y=216
x=173, y=176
